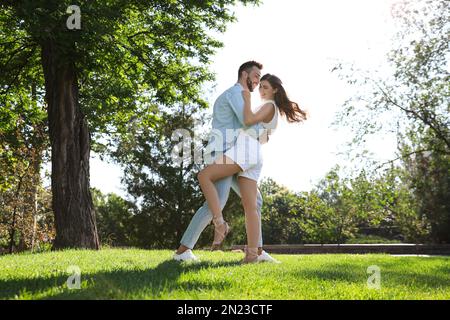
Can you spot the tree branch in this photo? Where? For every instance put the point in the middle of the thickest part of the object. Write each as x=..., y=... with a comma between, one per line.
x=424, y=119
x=20, y=69
x=13, y=53
x=410, y=154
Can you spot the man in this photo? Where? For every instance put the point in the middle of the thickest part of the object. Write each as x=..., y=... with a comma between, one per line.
x=228, y=118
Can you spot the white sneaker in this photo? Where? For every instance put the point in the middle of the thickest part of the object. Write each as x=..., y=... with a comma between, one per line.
x=265, y=257
x=185, y=256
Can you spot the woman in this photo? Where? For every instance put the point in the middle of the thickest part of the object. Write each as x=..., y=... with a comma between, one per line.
x=245, y=158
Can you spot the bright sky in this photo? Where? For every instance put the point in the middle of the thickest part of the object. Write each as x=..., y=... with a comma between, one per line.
x=299, y=41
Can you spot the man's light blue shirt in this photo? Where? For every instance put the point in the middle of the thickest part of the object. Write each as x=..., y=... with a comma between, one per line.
x=228, y=119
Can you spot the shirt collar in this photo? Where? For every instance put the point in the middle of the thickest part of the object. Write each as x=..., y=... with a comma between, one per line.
x=240, y=85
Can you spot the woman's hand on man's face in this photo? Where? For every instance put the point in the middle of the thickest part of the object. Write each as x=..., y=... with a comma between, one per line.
x=246, y=95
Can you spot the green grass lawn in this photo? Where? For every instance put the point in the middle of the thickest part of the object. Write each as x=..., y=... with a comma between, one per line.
x=151, y=274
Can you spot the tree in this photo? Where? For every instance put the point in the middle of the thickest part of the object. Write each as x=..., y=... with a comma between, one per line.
x=339, y=212
x=115, y=218
x=422, y=67
x=282, y=214
x=23, y=142
x=164, y=185
x=127, y=56
x=415, y=96
x=413, y=102
x=427, y=175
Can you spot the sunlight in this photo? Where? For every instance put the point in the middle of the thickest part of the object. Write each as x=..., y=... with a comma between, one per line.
x=301, y=41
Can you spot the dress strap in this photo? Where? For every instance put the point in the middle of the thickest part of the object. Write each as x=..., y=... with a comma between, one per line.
x=265, y=101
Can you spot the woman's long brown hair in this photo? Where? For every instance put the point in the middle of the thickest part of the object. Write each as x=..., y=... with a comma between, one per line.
x=288, y=108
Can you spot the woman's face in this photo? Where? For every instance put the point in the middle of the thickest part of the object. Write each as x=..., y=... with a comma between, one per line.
x=266, y=91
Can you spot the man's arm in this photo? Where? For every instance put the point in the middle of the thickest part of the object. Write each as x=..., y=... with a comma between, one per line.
x=237, y=104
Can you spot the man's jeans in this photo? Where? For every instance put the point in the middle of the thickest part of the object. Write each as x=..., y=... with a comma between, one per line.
x=203, y=216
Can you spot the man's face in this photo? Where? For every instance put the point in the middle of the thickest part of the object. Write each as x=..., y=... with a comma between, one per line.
x=253, y=78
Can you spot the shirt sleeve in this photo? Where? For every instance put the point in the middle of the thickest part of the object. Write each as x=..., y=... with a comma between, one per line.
x=236, y=102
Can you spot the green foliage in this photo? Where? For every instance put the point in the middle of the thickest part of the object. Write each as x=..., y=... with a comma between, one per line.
x=413, y=102
x=370, y=239
x=281, y=213
x=129, y=55
x=26, y=218
x=427, y=175
x=115, y=221
x=25, y=206
x=366, y=208
x=331, y=213
x=339, y=209
x=130, y=58
x=167, y=191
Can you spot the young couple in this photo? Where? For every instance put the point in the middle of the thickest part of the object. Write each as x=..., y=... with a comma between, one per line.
x=235, y=146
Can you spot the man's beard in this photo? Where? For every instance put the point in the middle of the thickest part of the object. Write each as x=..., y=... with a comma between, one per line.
x=249, y=85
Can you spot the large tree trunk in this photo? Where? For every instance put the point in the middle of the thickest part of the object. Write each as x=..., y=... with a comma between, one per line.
x=69, y=137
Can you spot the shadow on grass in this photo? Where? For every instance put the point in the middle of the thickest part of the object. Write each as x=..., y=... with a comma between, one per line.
x=120, y=284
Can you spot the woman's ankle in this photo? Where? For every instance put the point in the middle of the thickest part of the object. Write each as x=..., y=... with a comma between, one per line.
x=218, y=221
x=251, y=255
x=260, y=249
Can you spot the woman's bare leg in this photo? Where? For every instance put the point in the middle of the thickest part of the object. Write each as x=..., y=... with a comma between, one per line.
x=249, y=191
x=221, y=168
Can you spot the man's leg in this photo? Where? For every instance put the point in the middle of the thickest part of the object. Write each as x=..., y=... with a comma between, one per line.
x=203, y=216
x=259, y=202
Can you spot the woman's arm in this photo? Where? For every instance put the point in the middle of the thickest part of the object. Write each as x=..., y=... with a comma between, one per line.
x=251, y=118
